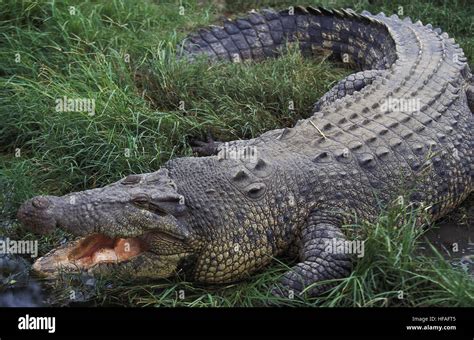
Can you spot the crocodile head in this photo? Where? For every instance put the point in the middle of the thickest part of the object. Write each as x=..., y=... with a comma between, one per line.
x=133, y=226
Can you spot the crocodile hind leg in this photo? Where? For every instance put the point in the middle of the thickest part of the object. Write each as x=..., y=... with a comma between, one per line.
x=319, y=261
x=352, y=83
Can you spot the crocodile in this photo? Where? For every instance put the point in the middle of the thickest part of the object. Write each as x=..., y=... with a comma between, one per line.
x=402, y=122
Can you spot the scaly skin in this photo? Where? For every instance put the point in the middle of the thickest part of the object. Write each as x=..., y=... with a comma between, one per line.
x=229, y=217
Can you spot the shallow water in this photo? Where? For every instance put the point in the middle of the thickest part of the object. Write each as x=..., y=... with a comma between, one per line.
x=17, y=288
x=453, y=237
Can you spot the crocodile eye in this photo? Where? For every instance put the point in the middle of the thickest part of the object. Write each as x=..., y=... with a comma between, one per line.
x=144, y=201
x=141, y=200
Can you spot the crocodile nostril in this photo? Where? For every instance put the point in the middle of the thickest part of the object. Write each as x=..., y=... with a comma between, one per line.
x=40, y=202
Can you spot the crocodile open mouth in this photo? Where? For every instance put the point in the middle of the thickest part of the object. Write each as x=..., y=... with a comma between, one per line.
x=87, y=252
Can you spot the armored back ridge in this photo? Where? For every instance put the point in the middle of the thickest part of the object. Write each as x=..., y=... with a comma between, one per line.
x=402, y=118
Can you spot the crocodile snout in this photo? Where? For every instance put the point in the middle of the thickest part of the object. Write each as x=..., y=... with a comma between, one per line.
x=38, y=214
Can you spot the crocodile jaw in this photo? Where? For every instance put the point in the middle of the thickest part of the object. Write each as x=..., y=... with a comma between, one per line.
x=84, y=253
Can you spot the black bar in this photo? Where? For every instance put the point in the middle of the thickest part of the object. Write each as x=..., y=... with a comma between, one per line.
x=260, y=322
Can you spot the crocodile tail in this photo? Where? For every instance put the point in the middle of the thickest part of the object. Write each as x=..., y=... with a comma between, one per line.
x=355, y=38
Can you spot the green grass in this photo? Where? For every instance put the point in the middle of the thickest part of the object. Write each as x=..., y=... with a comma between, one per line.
x=122, y=55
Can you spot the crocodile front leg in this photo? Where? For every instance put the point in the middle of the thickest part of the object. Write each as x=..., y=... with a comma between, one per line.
x=207, y=148
x=319, y=260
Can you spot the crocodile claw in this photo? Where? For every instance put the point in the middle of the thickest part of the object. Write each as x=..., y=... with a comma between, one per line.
x=207, y=148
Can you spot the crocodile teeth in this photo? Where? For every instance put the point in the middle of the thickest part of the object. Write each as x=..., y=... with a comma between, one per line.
x=87, y=252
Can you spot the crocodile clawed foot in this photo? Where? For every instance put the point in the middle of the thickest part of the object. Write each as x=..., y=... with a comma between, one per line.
x=207, y=148
x=282, y=290
x=282, y=294
x=320, y=265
